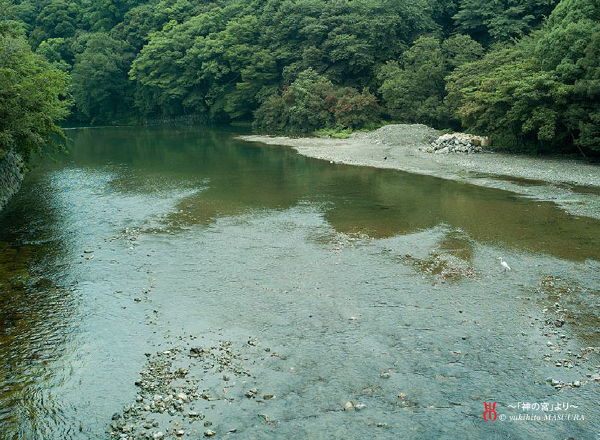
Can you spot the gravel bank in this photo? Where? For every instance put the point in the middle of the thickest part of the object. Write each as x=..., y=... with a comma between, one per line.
x=571, y=184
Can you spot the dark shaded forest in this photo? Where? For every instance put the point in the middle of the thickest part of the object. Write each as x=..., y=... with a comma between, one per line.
x=524, y=72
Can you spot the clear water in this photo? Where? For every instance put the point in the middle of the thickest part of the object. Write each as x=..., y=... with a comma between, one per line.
x=346, y=272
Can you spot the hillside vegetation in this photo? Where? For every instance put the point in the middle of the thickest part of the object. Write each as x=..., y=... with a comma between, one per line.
x=525, y=72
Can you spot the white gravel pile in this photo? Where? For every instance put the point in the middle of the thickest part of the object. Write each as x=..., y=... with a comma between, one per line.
x=457, y=143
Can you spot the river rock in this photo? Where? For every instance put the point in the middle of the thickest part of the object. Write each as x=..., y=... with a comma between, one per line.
x=265, y=418
x=457, y=143
x=252, y=392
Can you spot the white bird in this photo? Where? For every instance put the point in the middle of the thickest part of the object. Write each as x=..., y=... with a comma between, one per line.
x=504, y=264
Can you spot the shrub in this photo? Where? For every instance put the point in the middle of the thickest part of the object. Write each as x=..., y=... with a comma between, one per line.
x=312, y=103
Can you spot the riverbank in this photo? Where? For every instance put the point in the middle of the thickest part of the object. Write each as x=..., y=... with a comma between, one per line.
x=571, y=184
x=11, y=177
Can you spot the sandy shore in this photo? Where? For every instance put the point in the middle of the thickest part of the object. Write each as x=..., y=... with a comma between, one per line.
x=573, y=185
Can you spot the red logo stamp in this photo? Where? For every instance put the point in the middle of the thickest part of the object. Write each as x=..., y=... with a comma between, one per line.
x=490, y=411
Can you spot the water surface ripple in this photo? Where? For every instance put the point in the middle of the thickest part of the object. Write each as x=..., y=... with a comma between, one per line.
x=372, y=286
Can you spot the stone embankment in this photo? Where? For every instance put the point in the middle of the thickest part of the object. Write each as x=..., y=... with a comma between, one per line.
x=457, y=143
x=11, y=176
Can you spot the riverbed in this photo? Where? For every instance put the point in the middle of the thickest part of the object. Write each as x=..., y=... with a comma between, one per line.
x=177, y=282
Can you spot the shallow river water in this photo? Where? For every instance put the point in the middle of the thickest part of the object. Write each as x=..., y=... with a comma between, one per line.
x=345, y=302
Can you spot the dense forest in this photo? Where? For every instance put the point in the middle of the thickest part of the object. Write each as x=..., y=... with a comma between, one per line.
x=525, y=72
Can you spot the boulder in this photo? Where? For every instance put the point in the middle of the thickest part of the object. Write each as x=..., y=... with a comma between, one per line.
x=457, y=143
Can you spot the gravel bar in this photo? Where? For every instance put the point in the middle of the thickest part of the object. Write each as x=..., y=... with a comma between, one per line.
x=574, y=185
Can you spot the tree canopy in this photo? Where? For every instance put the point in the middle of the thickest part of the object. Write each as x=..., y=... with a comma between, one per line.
x=543, y=92
x=522, y=71
x=32, y=96
x=414, y=89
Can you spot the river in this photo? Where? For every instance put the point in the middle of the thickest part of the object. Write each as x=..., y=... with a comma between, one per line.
x=354, y=302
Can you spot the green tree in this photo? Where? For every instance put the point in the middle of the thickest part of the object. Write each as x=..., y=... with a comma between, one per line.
x=272, y=115
x=355, y=110
x=32, y=97
x=442, y=12
x=227, y=60
x=103, y=15
x=58, y=51
x=100, y=83
x=505, y=95
x=308, y=100
x=543, y=93
x=141, y=21
x=489, y=21
x=568, y=48
x=414, y=89
x=59, y=19
x=180, y=66
x=313, y=102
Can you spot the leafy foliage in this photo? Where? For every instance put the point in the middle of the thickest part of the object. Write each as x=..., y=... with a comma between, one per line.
x=100, y=83
x=58, y=19
x=226, y=60
x=543, y=93
x=501, y=20
x=32, y=96
x=312, y=103
x=414, y=89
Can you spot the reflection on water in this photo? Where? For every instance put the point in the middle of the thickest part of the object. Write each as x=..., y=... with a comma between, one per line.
x=232, y=177
x=37, y=315
x=63, y=308
x=580, y=189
